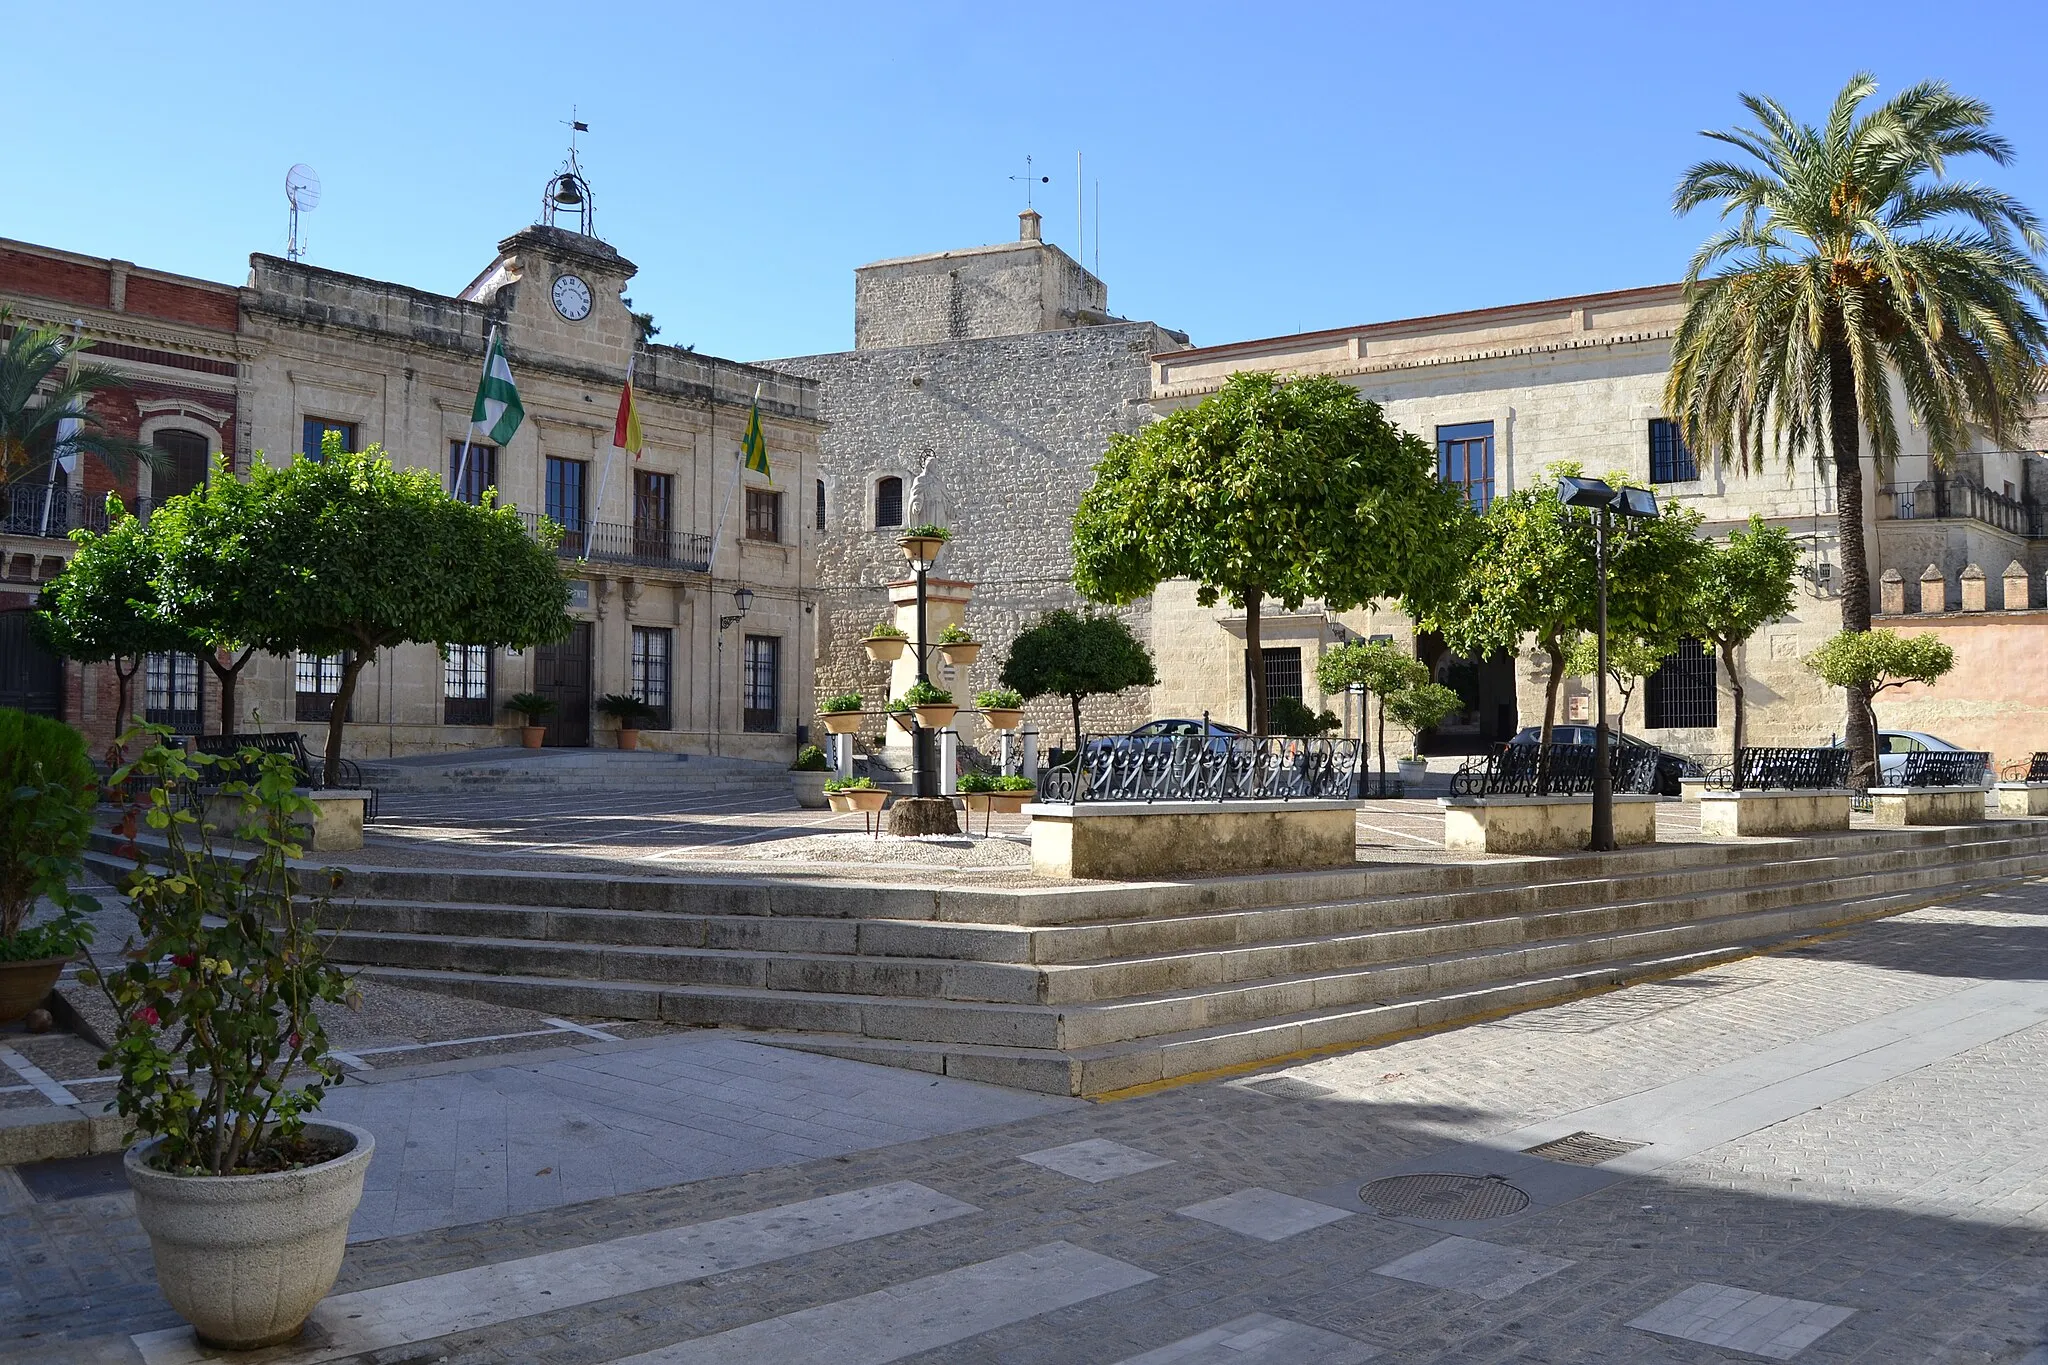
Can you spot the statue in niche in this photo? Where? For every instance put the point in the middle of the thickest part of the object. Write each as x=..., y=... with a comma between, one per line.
x=927, y=496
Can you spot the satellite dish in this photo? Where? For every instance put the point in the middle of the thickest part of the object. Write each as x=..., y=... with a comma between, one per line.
x=302, y=187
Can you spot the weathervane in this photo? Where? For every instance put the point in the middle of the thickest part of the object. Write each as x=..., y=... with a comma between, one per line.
x=1029, y=180
x=568, y=191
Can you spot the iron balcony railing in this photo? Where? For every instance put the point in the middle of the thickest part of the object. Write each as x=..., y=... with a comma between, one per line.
x=32, y=509
x=1959, y=498
x=610, y=542
x=1194, y=768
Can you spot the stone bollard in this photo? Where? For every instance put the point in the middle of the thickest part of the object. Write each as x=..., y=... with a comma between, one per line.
x=2016, y=587
x=1891, y=593
x=1933, y=590
x=1973, y=587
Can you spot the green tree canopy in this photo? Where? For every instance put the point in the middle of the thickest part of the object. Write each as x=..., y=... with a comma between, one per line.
x=1382, y=669
x=1629, y=661
x=1422, y=707
x=349, y=555
x=1850, y=267
x=1067, y=654
x=1533, y=573
x=208, y=582
x=105, y=608
x=1270, y=490
x=1742, y=584
x=1867, y=662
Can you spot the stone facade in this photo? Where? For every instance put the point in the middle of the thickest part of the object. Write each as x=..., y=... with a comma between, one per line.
x=1582, y=379
x=989, y=403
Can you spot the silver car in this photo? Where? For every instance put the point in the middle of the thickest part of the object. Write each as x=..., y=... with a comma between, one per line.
x=1894, y=745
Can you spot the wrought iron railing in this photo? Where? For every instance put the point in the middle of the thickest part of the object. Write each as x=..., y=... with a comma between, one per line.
x=32, y=509
x=1940, y=768
x=611, y=542
x=1781, y=769
x=1959, y=497
x=1517, y=770
x=1194, y=768
x=2030, y=769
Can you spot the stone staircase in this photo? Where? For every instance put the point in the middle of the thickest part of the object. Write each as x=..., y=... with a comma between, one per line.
x=1101, y=987
x=569, y=771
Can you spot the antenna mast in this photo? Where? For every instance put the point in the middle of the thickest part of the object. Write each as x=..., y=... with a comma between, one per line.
x=302, y=191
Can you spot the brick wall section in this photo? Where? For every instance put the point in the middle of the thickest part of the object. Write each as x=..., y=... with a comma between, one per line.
x=48, y=277
x=213, y=306
x=1017, y=424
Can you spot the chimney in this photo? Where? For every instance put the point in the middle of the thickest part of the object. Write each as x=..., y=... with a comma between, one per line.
x=1027, y=225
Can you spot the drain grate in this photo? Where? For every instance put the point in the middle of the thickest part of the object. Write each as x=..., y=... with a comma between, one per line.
x=1458, y=1198
x=1582, y=1149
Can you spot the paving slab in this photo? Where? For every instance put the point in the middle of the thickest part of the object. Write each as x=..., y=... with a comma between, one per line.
x=1095, y=1160
x=1743, y=1320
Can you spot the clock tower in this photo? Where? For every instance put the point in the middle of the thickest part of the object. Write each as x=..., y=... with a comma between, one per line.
x=560, y=293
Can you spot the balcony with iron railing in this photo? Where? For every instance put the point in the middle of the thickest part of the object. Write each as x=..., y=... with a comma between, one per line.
x=1963, y=499
x=44, y=512
x=643, y=545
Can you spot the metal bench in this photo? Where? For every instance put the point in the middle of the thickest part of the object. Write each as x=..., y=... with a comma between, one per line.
x=307, y=769
x=2033, y=769
x=1942, y=768
x=1784, y=769
x=1513, y=770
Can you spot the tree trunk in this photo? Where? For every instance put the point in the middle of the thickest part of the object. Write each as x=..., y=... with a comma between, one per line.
x=1736, y=691
x=1549, y=713
x=1845, y=437
x=227, y=675
x=124, y=693
x=1075, y=699
x=351, y=668
x=1383, y=746
x=1255, y=660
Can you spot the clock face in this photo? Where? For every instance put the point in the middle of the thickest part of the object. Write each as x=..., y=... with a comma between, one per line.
x=572, y=298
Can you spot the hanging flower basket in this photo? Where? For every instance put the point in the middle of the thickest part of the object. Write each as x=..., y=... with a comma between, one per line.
x=842, y=722
x=959, y=653
x=1003, y=717
x=885, y=649
x=936, y=715
x=921, y=544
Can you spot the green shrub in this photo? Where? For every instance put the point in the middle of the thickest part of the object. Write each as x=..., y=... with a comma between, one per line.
x=927, y=694
x=955, y=635
x=627, y=710
x=977, y=782
x=928, y=531
x=847, y=784
x=886, y=630
x=841, y=704
x=531, y=705
x=49, y=791
x=999, y=699
x=1014, y=782
x=1289, y=717
x=810, y=759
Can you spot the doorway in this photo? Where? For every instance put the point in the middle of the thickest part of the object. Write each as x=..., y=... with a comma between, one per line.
x=561, y=673
x=31, y=678
x=1486, y=686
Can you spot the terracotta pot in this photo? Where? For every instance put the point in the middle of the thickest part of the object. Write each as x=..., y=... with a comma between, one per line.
x=978, y=803
x=842, y=722
x=903, y=720
x=245, y=1258
x=629, y=737
x=1010, y=803
x=961, y=654
x=25, y=985
x=885, y=649
x=923, y=549
x=936, y=716
x=868, y=799
x=532, y=735
x=839, y=801
x=1003, y=717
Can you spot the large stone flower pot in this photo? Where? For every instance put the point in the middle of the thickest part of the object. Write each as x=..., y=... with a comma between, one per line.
x=245, y=1258
x=810, y=789
x=25, y=985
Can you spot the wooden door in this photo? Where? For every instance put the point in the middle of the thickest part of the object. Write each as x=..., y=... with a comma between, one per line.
x=561, y=673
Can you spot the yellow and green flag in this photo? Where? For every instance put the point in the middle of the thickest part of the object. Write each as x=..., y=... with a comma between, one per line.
x=754, y=446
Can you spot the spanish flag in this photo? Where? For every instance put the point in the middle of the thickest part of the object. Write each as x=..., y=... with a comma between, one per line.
x=754, y=446
x=626, y=430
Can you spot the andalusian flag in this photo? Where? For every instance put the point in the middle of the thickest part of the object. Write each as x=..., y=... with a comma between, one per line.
x=498, y=410
x=626, y=429
x=754, y=446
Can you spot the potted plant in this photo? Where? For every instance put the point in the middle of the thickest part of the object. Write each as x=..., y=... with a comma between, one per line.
x=49, y=790
x=957, y=647
x=1417, y=709
x=842, y=714
x=921, y=544
x=221, y=1061
x=933, y=704
x=855, y=793
x=1001, y=707
x=885, y=643
x=1012, y=792
x=534, y=709
x=807, y=775
x=899, y=712
x=628, y=711
x=977, y=792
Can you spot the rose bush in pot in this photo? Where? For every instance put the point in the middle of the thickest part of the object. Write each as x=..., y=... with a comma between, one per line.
x=222, y=1062
x=47, y=794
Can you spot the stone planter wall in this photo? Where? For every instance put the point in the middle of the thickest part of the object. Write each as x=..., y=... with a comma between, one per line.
x=1136, y=839
x=1538, y=824
x=337, y=824
x=1773, y=811
x=2023, y=798
x=1926, y=805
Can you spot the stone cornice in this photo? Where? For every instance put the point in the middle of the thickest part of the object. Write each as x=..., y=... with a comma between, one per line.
x=1348, y=369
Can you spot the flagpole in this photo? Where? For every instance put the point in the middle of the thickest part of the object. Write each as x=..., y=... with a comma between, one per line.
x=604, y=477
x=739, y=476
x=468, y=435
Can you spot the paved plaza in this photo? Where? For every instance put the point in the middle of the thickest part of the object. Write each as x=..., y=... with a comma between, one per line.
x=1836, y=1152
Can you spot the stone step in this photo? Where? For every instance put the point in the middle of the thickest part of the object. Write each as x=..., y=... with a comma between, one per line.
x=881, y=958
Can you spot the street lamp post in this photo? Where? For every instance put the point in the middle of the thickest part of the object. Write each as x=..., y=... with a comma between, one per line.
x=924, y=777
x=1602, y=499
x=742, y=599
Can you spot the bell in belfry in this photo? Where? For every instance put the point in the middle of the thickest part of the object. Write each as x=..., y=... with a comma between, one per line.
x=567, y=195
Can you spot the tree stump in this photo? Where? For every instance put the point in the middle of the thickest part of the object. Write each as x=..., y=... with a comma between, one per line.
x=914, y=815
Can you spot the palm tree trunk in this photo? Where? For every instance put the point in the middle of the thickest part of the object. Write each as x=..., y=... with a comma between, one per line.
x=1255, y=660
x=1845, y=435
x=351, y=669
x=1736, y=690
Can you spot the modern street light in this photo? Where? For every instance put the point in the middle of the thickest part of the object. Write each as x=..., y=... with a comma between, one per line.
x=1603, y=500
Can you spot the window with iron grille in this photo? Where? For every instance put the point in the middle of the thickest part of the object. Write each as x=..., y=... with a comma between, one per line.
x=316, y=430
x=318, y=683
x=1283, y=673
x=1464, y=456
x=760, y=684
x=184, y=463
x=653, y=495
x=466, y=686
x=467, y=479
x=565, y=501
x=821, y=504
x=1682, y=693
x=171, y=691
x=1671, y=460
x=764, y=514
x=653, y=653
x=889, y=501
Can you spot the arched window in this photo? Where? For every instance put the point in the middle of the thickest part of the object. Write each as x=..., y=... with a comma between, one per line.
x=889, y=501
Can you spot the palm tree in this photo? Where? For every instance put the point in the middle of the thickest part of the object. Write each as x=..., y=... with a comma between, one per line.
x=38, y=390
x=1851, y=265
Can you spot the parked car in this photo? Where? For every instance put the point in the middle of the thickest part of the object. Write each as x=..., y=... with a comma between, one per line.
x=1670, y=766
x=1894, y=745
x=1159, y=731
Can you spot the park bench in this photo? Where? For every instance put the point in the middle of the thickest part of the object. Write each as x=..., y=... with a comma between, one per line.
x=308, y=769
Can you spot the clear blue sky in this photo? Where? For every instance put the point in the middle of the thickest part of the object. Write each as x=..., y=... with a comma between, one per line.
x=1265, y=168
